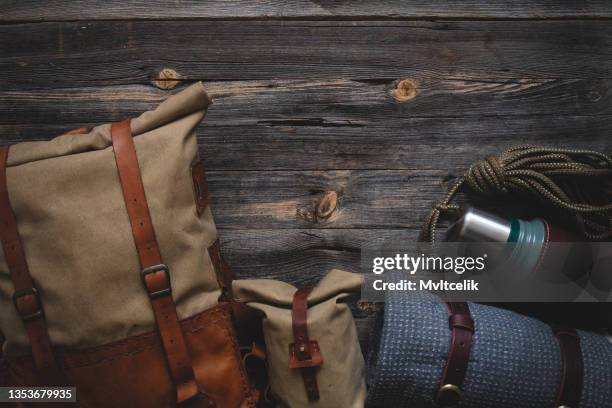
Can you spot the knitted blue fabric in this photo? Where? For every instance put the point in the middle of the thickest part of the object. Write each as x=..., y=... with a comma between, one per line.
x=515, y=360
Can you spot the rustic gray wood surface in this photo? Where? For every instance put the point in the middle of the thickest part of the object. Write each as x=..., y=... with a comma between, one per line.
x=335, y=123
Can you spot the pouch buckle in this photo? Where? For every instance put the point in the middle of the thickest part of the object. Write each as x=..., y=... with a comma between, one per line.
x=310, y=356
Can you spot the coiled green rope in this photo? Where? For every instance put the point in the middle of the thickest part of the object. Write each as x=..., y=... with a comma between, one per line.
x=578, y=182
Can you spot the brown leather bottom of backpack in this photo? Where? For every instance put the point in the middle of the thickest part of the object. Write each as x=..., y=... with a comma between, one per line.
x=133, y=372
x=4, y=373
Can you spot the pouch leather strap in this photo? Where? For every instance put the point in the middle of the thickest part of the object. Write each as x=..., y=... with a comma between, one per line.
x=26, y=298
x=572, y=368
x=155, y=275
x=304, y=353
x=461, y=324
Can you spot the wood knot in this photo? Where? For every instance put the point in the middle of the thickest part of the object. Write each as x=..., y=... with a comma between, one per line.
x=405, y=90
x=327, y=204
x=166, y=79
x=593, y=96
x=321, y=208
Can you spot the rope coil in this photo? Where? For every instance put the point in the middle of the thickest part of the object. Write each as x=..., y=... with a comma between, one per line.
x=577, y=182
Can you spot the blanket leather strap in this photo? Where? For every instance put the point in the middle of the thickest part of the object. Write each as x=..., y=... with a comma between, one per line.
x=572, y=368
x=155, y=275
x=461, y=325
x=304, y=354
x=25, y=298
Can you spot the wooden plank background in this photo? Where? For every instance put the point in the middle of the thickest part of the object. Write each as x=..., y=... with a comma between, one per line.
x=374, y=106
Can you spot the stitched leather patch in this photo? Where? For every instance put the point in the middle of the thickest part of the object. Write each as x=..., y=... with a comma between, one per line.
x=200, y=186
x=135, y=368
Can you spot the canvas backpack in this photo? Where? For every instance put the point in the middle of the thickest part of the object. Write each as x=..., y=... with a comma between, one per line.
x=110, y=274
x=313, y=353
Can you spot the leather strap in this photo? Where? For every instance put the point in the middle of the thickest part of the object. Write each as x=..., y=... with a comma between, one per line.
x=200, y=186
x=26, y=298
x=304, y=354
x=461, y=324
x=572, y=368
x=155, y=275
x=224, y=273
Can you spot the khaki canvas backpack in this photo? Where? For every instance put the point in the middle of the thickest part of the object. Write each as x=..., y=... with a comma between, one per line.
x=313, y=353
x=110, y=274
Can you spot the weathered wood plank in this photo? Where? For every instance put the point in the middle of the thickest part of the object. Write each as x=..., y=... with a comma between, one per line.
x=290, y=199
x=73, y=54
x=302, y=256
x=446, y=144
x=334, y=102
x=188, y=9
x=343, y=124
x=336, y=199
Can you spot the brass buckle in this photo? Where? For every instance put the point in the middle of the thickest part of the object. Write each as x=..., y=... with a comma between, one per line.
x=448, y=395
x=156, y=269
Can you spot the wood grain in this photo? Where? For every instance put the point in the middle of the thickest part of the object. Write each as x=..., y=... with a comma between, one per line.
x=289, y=199
x=188, y=9
x=335, y=102
x=366, y=199
x=74, y=54
x=302, y=256
x=446, y=144
x=336, y=124
x=343, y=124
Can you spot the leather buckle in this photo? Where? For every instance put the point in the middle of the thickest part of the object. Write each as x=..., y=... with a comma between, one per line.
x=461, y=321
x=28, y=312
x=156, y=289
x=306, y=355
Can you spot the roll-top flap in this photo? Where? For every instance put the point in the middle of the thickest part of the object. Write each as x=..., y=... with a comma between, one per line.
x=281, y=294
x=175, y=107
x=188, y=101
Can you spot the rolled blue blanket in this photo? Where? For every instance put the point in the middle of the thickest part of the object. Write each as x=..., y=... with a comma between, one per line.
x=515, y=360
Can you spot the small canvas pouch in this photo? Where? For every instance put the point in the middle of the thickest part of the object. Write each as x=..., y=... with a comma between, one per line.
x=314, y=357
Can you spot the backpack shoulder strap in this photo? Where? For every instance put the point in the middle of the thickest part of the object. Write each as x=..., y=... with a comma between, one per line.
x=155, y=274
x=25, y=298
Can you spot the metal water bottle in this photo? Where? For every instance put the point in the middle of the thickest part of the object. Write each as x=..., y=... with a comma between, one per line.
x=527, y=242
x=527, y=245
